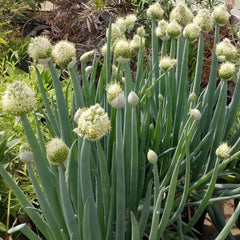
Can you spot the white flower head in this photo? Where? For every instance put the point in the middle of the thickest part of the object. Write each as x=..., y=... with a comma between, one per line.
x=166, y=63
x=57, y=151
x=130, y=21
x=141, y=31
x=192, y=32
x=116, y=32
x=155, y=11
x=227, y=70
x=223, y=151
x=121, y=24
x=221, y=15
x=93, y=123
x=40, y=48
x=152, y=156
x=174, y=29
x=136, y=42
x=204, y=20
x=182, y=14
x=226, y=51
x=18, y=99
x=115, y=95
x=64, y=53
x=122, y=51
x=161, y=30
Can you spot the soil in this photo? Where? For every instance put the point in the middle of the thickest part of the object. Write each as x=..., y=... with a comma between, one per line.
x=209, y=232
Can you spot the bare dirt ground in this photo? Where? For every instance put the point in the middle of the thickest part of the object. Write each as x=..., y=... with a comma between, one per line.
x=210, y=232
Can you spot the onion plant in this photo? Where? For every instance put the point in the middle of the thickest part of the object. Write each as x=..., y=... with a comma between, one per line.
x=133, y=150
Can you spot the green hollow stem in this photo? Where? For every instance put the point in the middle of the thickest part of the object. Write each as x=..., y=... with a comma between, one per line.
x=120, y=180
x=199, y=66
x=61, y=107
x=76, y=87
x=226, y=230
x=134, y=162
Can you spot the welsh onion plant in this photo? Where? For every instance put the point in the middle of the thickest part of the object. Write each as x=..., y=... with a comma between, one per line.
x=134, y=151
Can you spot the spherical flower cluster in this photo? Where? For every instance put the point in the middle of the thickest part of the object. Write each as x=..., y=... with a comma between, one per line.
x=136, y=42
x=204, y=20
x=191, y=32
x=174, y=29
x=182, y=14
x=57, y=151
x=26, y=153
x=166, y=63
x=120, y=22
x=116, y=32
x=115, y=95
x=40, y=48
x=152, y=156
x=133, y=98
x=223, y=151
x=221, y=15
x=141, y=31
x=227, y=70
x=226, y=51
x=122, y=51
x=130, y=21
x=195, y=114
x=161, y=30
x=64, y=52
x=93, y=123
x=87, y=56
x=18, y=99
x=155, y=12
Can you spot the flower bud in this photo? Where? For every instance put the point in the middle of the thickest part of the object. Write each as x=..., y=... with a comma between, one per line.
x=26, y=154
x=166, y=63
x=193, y=97
x=130, y=21
x=89, y=69
x=57, y=151
x=155, y=12
x=133, y=98
x=40, y=48
x=182, y=14
x=174, y=30
x=64, y=53
x=18, y=99
x=116, y=32
x=227, y=70
x=141, y=31
x=122, y=51
x=136, y=42
x=238, y=33
x=226, y=51
x=115, y=95
x=161, y=30
x=204, y=20
x=87, y=56
x=152, y=156
x=160, y=97
x=221, y=15
x=223, y=151
x=93, y=123
x=191, y=32
x=195, y=113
